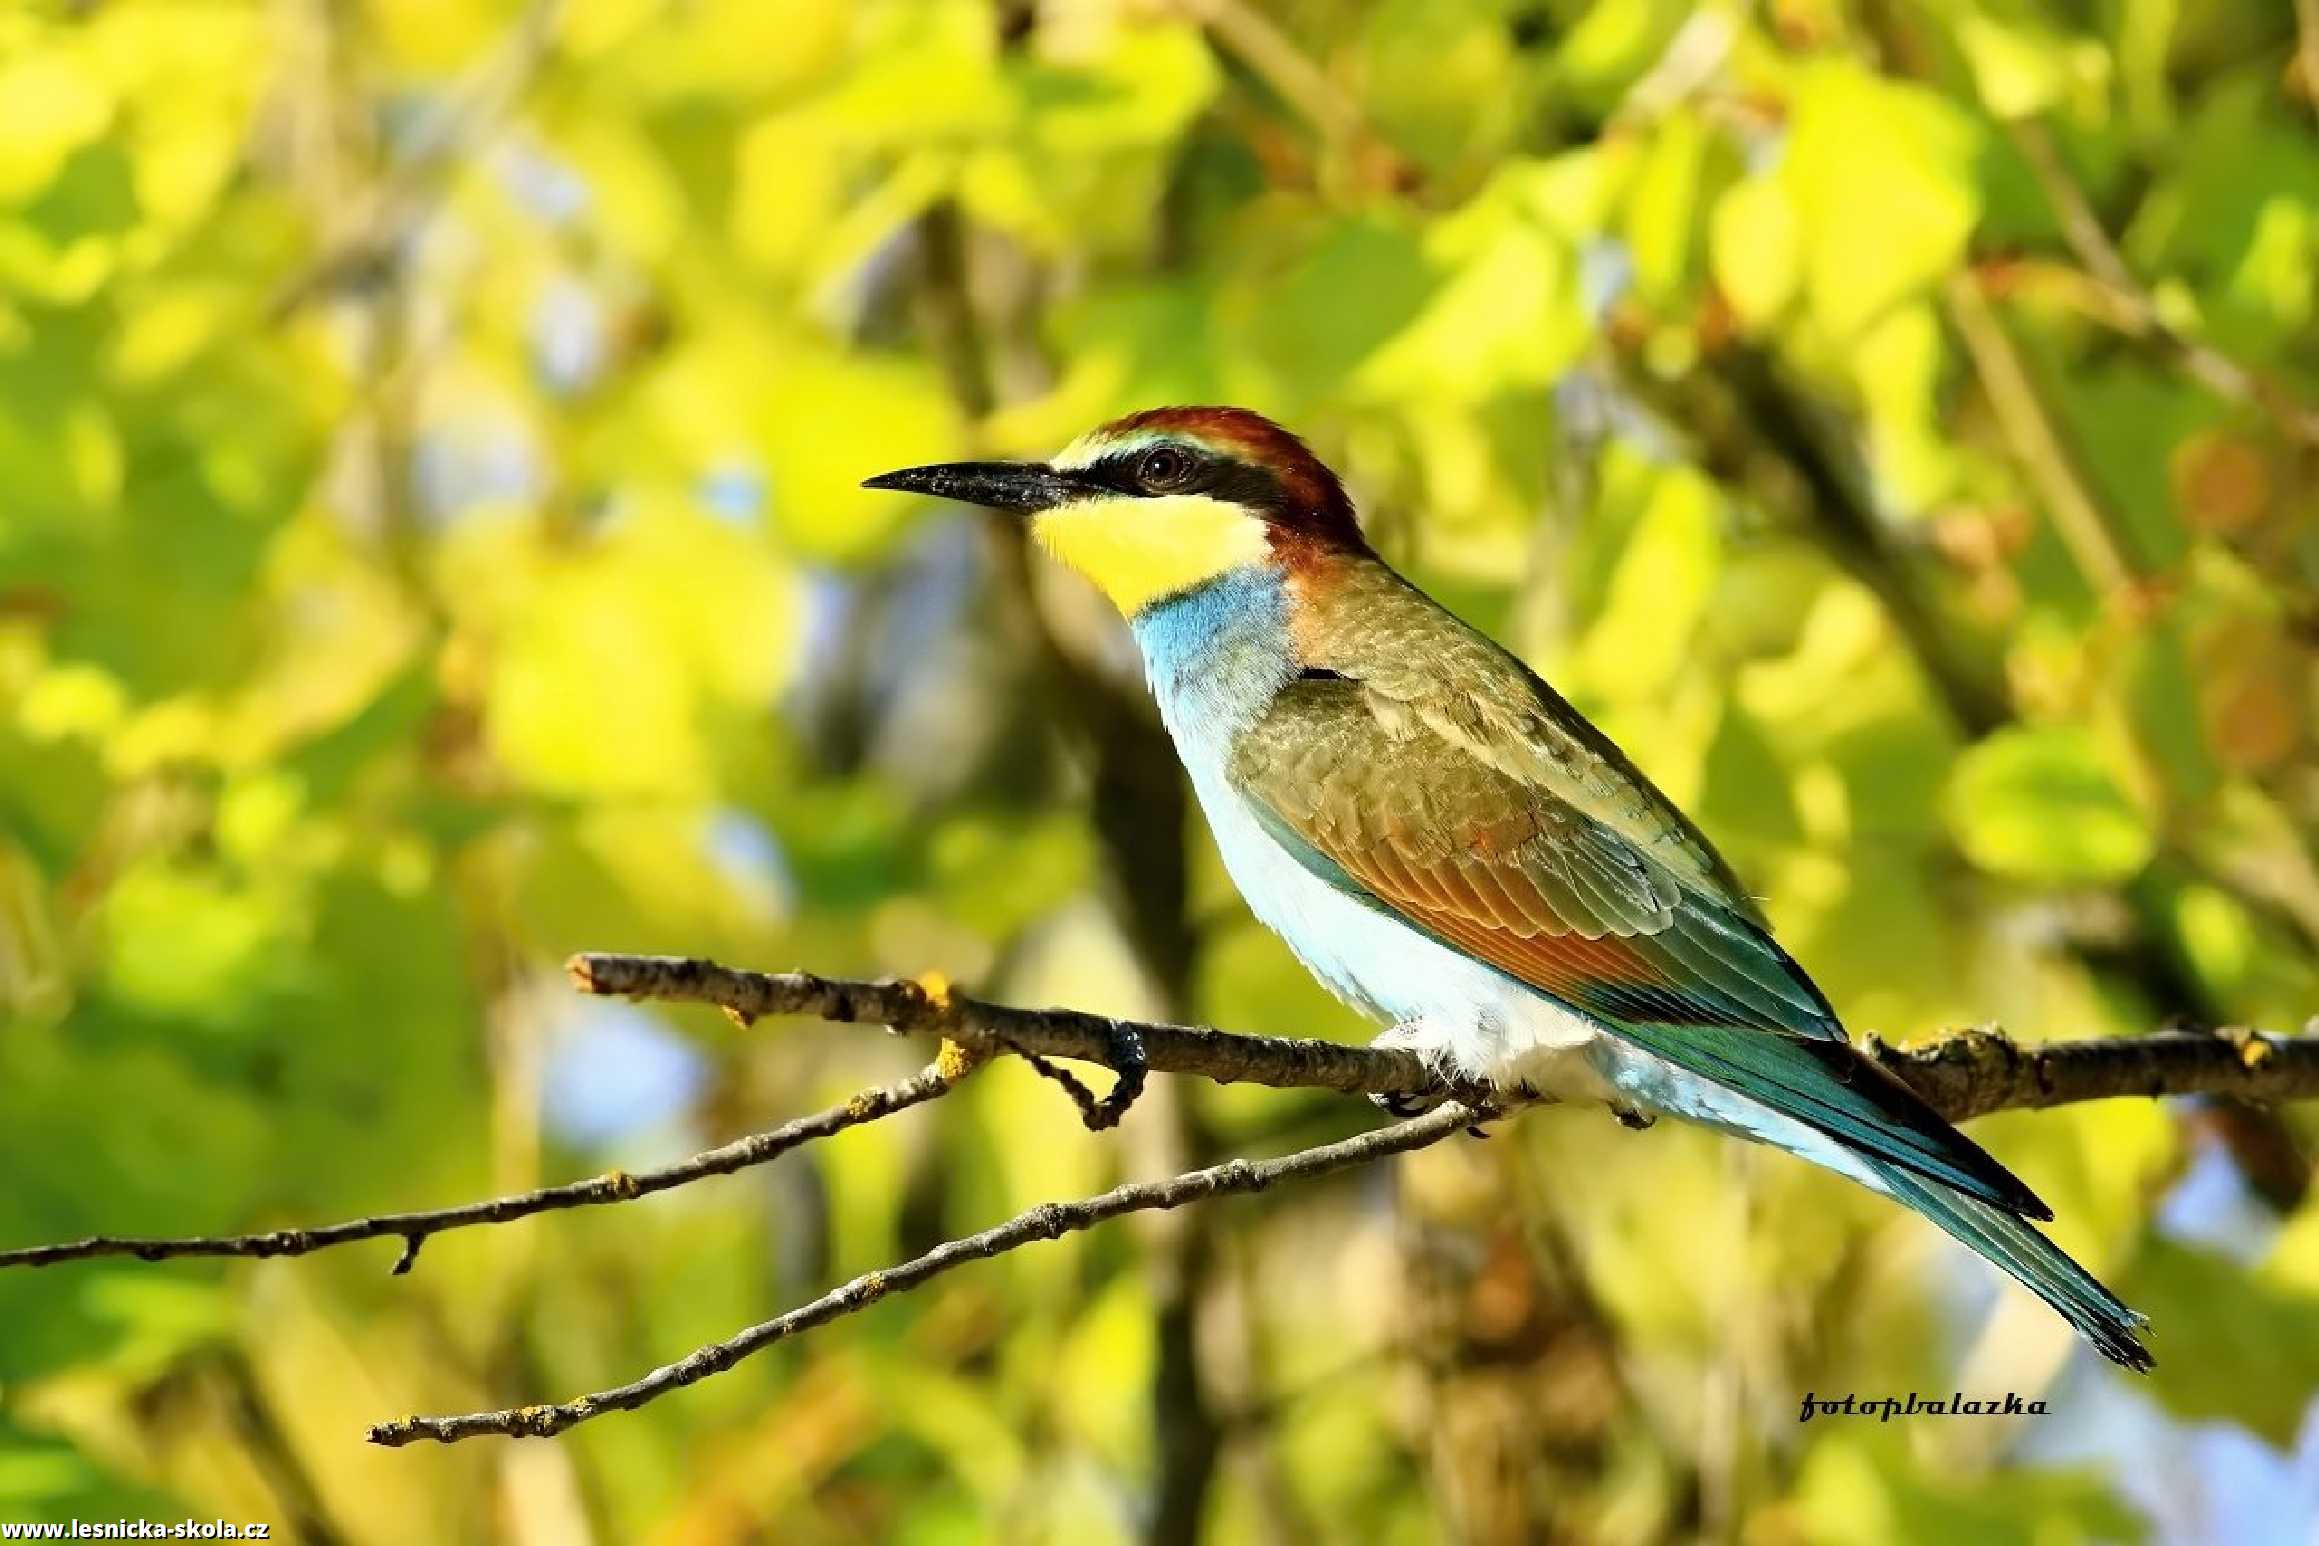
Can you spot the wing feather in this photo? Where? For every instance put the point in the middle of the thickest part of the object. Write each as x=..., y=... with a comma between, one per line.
x=1527, y=882
x=1504, y=868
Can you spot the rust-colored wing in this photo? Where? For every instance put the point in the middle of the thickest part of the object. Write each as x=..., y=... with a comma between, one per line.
x=1373, y=796
x=1508, y=871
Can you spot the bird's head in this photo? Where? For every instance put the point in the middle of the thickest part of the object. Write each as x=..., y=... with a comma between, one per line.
x=1161, y=501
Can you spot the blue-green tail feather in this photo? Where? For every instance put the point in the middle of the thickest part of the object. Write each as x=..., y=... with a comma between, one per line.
x=1822, y=1101
x=2034, y=1261
x=1827, y=1085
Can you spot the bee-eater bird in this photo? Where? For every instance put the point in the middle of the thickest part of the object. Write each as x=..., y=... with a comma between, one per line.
x=1450, y=847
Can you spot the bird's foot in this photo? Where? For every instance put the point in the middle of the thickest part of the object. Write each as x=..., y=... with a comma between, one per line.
x=1504, y=1103
x=1409, y=1036
x=1407, y=1106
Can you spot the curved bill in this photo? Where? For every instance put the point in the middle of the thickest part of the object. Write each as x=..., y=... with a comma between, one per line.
x=998, y=485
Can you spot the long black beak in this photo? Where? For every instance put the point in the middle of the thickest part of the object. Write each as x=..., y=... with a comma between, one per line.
x=998, y=485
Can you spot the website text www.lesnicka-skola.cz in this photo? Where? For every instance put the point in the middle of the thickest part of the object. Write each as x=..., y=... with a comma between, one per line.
x=133, y=1530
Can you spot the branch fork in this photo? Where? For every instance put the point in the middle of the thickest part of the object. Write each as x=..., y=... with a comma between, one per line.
x=1963, y=1075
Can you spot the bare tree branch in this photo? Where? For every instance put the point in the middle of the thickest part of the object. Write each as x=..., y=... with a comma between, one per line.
x=1972, y=1073
x=938, y=1078
x=901, y=1005
x=1965, y=1074
x=1048, y=1221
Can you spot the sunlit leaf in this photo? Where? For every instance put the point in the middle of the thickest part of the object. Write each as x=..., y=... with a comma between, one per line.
x=1853, y=1492
x=2234, y=1347
x=1756, y=248
x=1882, y=176
x=1664, y=577
x=2043, y=805
x=1508, y=311
x=54, y=103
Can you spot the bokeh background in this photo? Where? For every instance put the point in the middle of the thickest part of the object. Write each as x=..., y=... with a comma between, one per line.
x=430, y=543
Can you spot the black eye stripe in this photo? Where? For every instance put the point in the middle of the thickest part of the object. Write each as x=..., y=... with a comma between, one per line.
x=1115, y=471
x=1123, y=470
x=1205, y=473
x=1242, y=484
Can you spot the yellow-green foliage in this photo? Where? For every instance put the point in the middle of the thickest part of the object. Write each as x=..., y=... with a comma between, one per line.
x=430, y=543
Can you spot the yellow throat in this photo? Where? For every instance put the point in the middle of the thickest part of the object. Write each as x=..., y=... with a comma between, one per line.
x=1138, y=550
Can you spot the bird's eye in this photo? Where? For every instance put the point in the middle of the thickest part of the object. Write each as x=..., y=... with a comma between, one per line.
x=1161, y=466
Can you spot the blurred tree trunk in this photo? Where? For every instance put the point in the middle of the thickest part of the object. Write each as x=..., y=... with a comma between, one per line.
x=1519, y=1372
x=1139, y=806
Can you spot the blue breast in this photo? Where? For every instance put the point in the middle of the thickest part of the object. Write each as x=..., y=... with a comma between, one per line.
x=1216, y=654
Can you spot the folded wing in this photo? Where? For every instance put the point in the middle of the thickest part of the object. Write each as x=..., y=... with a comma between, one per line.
x=1421, y=808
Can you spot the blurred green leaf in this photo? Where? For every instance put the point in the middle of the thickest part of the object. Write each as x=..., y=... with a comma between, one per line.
x=1508, y=312
x=2233, y=1347
x=1883, y=179
x=46, y=1479
x=1851, y=1494
x=2042, y=805
x=431, y=435
x=1757, y=249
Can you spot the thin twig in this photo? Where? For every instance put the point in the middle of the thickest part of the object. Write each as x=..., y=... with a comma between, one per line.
x=1048, y=1221
x=2135, y=309
x=2307, y=49
x=1963, y=1075
x=1098, y=1112
x=380, y=230
x=1272, y=56
x=938, y=1078
x=2084, y=527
